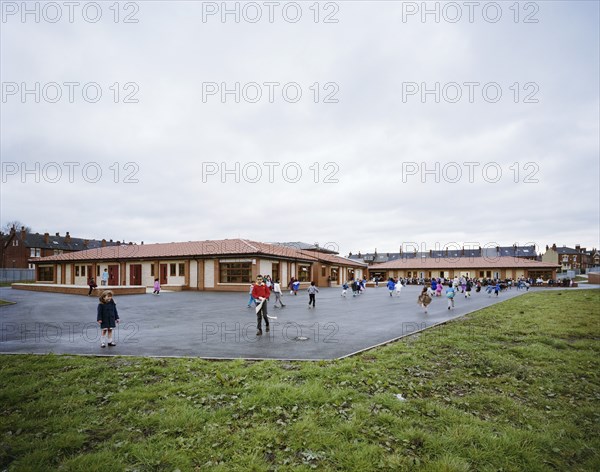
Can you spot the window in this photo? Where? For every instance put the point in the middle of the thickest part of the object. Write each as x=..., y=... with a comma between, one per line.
x=152, y=270
x=323, y=271
x=46, y=274
x=34, y=252
x=57, y=252
x=275, y=271
x=76, y=271
x=488, y=274
x=97, y=271
x=235, y=272
x=303, y=272
x=172, y=270
x=83, y=271
x=481, y=274
x=181, y=269
x=15, y=242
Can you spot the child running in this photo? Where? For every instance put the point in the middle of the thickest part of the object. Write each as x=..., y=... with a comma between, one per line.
x=424, y=299
x=450, y=293
x=391, y=286
x=278, y=294
x=312, y=291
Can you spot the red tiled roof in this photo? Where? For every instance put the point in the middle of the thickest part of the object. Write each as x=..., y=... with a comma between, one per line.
x=334, y=259
x=503, y=262
x=213, y=248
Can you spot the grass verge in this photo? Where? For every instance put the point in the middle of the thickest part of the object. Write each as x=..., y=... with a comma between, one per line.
x=512, y=387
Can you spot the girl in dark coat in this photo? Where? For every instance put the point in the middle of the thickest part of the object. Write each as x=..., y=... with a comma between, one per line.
x=107, y=317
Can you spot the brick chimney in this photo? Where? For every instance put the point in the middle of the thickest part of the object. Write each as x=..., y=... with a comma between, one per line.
x=68, y=238
x=578, y=247
x=46, y=238
x=23, y=233
x=85, y=243
x=554, y=246
x=103, y=243
x=58, y=235
x=547, y=248
x=463, y=251
x=497, y=249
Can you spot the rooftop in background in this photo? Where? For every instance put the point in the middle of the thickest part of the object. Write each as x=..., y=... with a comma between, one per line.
x=64, y=243
x=528, y=252
x=307, y=247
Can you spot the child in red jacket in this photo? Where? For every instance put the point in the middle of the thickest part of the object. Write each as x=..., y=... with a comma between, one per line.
x=260, y=292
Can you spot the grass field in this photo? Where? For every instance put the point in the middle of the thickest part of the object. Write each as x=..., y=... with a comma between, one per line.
x=514, y=387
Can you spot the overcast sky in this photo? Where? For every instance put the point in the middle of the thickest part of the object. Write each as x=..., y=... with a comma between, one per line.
x=504, y=149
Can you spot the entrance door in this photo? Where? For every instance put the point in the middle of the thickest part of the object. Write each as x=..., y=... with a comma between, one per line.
x=135, y=274
x=113, y=275
x=163, y=274
x=90, y=272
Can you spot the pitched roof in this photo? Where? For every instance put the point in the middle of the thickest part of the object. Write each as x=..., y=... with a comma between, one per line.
x=64, y=243
x=201, y=249
x=502, y=251
x=566, y=250
x=464, y=263
x=335, y=259
x=307, y=247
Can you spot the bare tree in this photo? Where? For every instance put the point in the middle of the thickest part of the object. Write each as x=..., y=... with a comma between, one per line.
x=17, y=225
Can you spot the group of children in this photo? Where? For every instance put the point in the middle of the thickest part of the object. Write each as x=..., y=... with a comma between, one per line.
x=358, y=287
x=464, y=284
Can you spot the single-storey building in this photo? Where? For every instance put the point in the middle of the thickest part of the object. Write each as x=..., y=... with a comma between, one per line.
x=475, y=267
x=219, y=265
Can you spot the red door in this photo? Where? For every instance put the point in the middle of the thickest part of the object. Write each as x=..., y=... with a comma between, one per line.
x=113, y=275
x=163, y=274
x=135, y=274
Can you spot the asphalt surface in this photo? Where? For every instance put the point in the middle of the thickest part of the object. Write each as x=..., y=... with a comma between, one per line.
x=220, y=326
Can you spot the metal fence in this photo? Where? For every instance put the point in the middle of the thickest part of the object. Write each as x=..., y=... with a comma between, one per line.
x=17, y=275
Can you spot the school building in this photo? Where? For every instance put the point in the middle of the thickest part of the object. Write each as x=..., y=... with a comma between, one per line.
x=216, y=265
x=475, y=267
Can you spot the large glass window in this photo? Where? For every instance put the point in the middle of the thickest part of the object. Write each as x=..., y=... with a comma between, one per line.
x=303, y=272
x=172, y=270
x=275, y=271
x=181, y=269
x=235, y=272
x=46, y=274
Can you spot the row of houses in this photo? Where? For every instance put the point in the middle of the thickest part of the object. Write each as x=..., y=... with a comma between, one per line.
x=20, y=248
x=230, y=265
x=576, y=258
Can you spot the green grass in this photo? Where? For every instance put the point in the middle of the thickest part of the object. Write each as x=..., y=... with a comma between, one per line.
x=514, y=387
